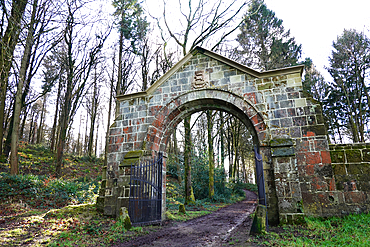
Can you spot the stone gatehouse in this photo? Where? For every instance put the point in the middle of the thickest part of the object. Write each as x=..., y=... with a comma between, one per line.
x=287, y=126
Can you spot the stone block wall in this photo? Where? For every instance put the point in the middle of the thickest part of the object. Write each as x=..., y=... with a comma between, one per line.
x=351, y=166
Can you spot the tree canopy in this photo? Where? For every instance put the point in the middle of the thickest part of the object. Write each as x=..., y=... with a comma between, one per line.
x=263, y=42
x=349, y=95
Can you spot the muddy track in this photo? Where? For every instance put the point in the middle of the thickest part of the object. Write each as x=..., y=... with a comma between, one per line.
x=214, y=229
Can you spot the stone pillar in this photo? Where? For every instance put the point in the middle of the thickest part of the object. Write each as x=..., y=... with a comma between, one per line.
x=114, y=192
x=286, y=180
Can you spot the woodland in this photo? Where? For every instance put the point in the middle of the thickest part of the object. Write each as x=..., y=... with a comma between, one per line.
x=63, y=62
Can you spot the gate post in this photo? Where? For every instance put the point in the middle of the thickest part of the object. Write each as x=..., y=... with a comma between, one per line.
x=270, y=187
x=114, y=191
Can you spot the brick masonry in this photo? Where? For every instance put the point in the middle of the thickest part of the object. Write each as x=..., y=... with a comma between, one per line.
x=287, y=125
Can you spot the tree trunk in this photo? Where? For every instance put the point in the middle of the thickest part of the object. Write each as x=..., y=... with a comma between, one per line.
x=7, y=47
x=119, y=78
x=244, y=169
x=25, y=110
x=109, y=116
x=41, y=124
x=231, y=153
x=189, y=195
x=7, y=144
x=31, y=128
x=86, y=141
x=236, y=135
x=211, y=161
x=79, y=137
x=63, y=134
x=94, y=106
x=8, y=140
x=91, y=137
x=64, y=116
x=34, y=129
x=222, y=141
x=96, y=139
x=176, y=153
x=55, y=122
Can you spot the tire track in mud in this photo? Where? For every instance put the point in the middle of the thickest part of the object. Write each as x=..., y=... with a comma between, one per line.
x=209, y=230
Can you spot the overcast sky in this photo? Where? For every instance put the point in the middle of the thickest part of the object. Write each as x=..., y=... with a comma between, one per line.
x=317, y=23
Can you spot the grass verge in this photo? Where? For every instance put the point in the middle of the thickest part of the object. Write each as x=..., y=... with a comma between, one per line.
x=351, y=230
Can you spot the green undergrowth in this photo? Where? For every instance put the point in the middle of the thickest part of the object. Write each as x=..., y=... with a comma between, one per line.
x=41, y=191
x=87, y=227
x=38, y=209
x=36, y=187
x=352, y=230
x=39, y=160
x=74, y=225
x=224, y=190
x=174, y=192
x=198, y=209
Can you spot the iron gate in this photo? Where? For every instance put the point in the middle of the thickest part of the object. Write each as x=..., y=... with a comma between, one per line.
x=145, y=204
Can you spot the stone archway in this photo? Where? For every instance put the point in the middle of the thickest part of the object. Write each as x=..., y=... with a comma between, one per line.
x=211, y=99
x=287, y=125
x=204, y=99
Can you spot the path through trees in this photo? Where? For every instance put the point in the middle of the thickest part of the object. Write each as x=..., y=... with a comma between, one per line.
x=209, y=230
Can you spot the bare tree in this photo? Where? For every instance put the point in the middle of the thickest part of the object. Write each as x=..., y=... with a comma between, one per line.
x=154, y=62
x=40, y=131
x=41, y=14
x=8, y=42
x=57, y=71
x=189, y=194
x=203, y=21
x=111, y=88
x=92, y=103
x=35, y=113
x=81, y=57
x=211, y=159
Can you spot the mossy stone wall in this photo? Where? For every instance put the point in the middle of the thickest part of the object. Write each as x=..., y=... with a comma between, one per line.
x=351, y=166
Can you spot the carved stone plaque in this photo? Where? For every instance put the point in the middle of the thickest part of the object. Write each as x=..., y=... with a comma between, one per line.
x=200, y=80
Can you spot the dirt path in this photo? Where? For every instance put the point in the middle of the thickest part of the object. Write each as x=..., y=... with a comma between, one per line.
x=229, y=225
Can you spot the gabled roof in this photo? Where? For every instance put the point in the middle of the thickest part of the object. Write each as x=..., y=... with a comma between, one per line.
x=184, y=60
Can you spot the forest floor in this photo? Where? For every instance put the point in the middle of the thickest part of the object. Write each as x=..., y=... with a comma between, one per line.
x=36, y=209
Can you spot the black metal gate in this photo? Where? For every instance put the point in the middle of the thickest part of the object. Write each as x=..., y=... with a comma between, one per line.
x=145, y=205
x=260, y=182
x=260, y=178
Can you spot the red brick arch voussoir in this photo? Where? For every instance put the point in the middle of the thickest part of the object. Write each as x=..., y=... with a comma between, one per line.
x=168, y=116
